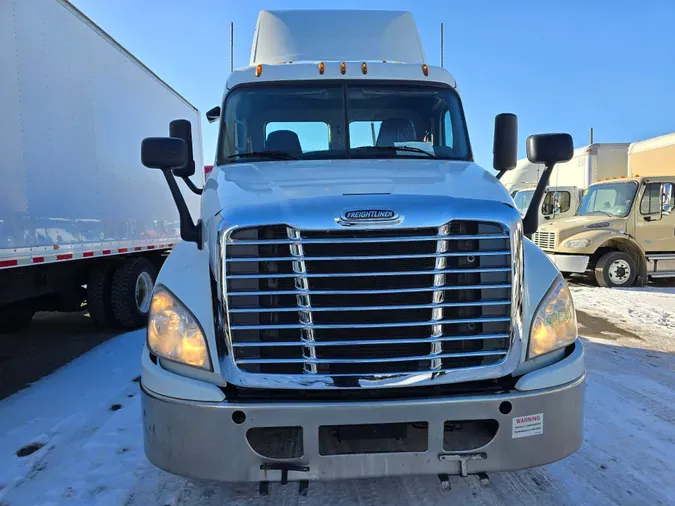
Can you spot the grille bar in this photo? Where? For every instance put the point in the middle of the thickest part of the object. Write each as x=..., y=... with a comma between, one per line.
x=369, y=325
x=369, y=359
x=372, y=341
x=374, y=257
x=374, y=308
x=373, y=274
x=505, y=286
x=370, y=240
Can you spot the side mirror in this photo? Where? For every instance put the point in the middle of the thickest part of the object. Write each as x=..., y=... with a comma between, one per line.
x=550, y=149
x=163, y=152
x=213, y=114
x=505, y=149
x=169, y=154
x=547, y=149
x=182, y=129
x=667, y=197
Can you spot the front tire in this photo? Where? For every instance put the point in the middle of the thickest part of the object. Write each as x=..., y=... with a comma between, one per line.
x=132, y=286
x=615, y=269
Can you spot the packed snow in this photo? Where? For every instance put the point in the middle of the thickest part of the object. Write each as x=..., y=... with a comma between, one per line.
x=79, y=434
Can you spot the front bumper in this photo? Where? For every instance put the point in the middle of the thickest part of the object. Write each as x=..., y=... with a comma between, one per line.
x=202, y=440
x=570, y=263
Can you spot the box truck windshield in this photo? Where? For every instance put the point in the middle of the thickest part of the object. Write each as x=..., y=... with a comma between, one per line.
x=343, y=120
x=612, y=199
x=523, y=199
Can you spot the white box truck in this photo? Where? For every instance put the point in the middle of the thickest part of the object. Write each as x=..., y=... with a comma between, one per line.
x=570, y=180
x=357, y=297
x=80, y=218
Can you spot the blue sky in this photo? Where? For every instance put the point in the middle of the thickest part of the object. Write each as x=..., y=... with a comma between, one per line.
x=559, y=65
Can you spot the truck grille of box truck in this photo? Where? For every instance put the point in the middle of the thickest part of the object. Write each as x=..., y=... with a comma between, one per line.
x=545, y=240
x=368, y=302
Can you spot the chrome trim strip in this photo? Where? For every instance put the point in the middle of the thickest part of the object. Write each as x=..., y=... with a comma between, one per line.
x=386, y=360
x=371, y=325
x=370, y=292
x=412, y=340
x=373, y=274
x=421, y=238
x=374, y=308
x=376, y=257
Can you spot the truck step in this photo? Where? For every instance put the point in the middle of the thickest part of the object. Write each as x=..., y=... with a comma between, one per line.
x=662, y=274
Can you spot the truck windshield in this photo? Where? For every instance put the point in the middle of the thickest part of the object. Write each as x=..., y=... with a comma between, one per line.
x=611, y=199
x=523, y=199
x=316, y=121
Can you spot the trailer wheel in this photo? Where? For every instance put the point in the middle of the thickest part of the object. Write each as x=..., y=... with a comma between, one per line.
x=99, y=295
x=132, y=292
x=615, y=269
x=14, y=320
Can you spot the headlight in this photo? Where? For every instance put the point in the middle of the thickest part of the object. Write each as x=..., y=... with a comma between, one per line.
x=173, y=333
x=555, y=322
x=578, y=243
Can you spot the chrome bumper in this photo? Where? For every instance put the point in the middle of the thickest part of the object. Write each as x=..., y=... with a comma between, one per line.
x=570, y=263
x=201, y=439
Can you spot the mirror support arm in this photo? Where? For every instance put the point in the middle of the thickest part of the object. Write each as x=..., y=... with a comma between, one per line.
x=500, y=174
x=193, y=188
x=188, y=230
x=531, y=219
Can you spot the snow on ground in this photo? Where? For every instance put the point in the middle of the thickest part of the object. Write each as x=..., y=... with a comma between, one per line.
x=86, y=421
x=648, y=313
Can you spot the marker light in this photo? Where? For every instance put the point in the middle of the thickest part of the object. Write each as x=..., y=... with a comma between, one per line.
x=258, y=70
x=364, y=68
x=322, y=68
x=343, y=68
x=425, y=69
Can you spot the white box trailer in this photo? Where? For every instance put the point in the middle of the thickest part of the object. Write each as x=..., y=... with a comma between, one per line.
x=77, y=208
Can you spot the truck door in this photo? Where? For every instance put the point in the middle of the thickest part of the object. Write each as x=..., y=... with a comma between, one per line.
x=655, y=220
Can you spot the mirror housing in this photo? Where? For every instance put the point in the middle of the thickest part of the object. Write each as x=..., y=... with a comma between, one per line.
x=213, y=114
x=549, y=149
x=164, y=153
x=505, y=148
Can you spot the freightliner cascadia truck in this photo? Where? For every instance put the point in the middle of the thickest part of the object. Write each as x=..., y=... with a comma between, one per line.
x=357, y=298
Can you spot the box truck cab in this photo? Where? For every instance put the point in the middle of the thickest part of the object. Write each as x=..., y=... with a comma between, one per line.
x=357, y=297
x=623, y=232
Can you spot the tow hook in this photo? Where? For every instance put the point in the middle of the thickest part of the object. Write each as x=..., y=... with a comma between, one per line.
x=303, y=485
x=462, y=458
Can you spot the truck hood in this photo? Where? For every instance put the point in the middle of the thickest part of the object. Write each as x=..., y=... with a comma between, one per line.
x=246, y=184
x=568, y=227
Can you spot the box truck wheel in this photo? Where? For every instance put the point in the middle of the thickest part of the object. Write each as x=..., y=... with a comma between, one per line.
x=99, y=294
x=615, y=268
x=15, y=319
x=132, y=292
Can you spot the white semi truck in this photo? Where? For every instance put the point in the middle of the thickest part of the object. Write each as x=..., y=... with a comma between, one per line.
x=356, y=296
x=570, y=180
x=79, y=218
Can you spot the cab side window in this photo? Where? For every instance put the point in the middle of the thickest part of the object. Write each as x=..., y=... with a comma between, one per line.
x=558, y=202
x=651, y=199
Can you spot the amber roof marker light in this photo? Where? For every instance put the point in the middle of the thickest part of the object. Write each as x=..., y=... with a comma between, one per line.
x=343, y=68
x=322, y=68
x=258, y=70
x=425, y=69
x=364, y=68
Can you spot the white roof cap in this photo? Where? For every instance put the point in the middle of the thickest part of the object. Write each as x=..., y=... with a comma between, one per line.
x=336, y=35
x=653, y=143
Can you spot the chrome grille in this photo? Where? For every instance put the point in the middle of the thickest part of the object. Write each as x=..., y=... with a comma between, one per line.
x=545, y=240
x=368, y=302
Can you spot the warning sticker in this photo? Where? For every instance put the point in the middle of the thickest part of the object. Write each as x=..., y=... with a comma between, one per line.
x=530, y=425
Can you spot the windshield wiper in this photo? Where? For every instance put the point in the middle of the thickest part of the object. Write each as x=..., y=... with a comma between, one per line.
x=600, y=211
x=396, y=148
x=274, y=155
